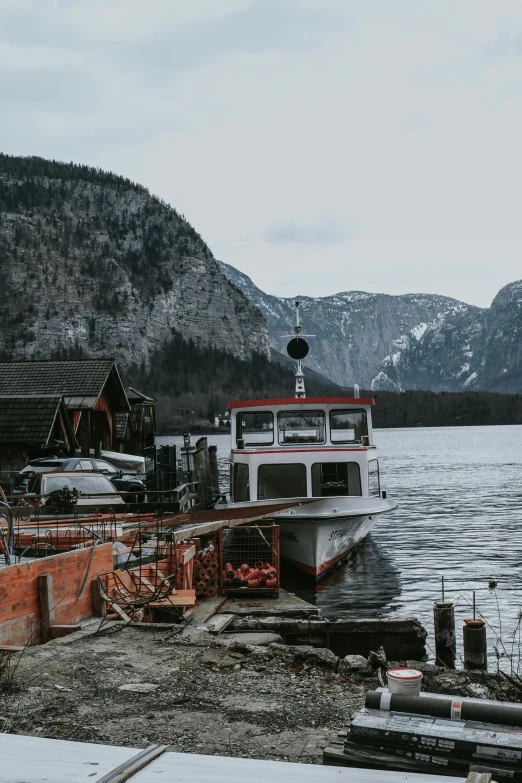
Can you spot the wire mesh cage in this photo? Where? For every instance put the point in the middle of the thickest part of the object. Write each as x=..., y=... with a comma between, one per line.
x=249, y=559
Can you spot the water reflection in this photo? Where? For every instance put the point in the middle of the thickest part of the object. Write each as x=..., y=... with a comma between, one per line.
x=367, y=586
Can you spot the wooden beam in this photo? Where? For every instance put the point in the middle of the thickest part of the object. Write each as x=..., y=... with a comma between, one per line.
x=48, y=615
x=479, y=777
x=220, y=622
x=206, y=610
x=98, y=603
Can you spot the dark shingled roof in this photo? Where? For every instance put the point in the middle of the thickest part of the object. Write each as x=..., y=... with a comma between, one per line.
x=80, y=382
x=28, y=420
x=135, y=395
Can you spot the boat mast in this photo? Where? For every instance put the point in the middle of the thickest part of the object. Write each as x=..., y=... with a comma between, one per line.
x=297, y=349
x=299, y=374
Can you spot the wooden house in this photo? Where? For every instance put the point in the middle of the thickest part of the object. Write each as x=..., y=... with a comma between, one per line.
x=32, y=426
x=92, y=390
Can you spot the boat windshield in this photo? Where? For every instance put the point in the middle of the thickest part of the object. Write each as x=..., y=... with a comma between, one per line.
x=256, y=428
x=301, y=427
x=348, y=426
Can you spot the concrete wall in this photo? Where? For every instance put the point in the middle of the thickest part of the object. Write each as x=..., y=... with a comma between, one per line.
x=20, y=615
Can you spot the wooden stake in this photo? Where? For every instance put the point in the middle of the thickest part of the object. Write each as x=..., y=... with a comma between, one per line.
x=45, y=589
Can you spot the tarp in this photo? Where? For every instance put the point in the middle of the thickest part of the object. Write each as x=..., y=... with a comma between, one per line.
x=130, y=463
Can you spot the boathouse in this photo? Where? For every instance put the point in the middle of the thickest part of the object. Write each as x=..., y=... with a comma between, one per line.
x=32, y=426
x=92, y=391
x=142, y=421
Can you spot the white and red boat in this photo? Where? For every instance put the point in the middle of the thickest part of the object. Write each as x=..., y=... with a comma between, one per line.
x=317, y=451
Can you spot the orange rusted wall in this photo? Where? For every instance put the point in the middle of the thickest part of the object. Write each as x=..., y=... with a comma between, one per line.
x=20, y=615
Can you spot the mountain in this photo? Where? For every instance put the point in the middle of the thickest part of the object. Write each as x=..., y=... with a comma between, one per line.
x=466, y=350
x=93, y=263
x=412, y=341
x=359, y=337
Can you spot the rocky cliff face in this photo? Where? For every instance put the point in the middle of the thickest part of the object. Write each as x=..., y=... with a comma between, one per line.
x=415, y=341
x=92, y=262
x=466, y=351
x=359, y=337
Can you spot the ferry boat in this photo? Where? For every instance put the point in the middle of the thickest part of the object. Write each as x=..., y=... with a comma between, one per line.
x=320, y=453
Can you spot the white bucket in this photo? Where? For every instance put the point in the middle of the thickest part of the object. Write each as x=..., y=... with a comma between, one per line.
x=406, y=682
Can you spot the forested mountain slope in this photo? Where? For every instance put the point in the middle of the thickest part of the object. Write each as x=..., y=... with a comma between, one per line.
x=91, y=261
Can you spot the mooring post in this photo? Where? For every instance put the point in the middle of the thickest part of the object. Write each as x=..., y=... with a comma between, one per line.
x=475, y=645
x=445, y=639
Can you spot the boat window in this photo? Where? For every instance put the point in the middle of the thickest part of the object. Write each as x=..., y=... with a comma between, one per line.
x=241, y=483
x=301, y=427
x=348, y=426
x=374, y=480
x=335, y=478
x=281, y=481
x=256, y=428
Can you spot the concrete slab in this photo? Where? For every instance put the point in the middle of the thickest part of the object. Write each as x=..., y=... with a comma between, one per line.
x=287, y=605
x=255, y=639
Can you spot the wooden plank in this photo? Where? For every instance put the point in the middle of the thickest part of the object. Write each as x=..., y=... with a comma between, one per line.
x=206, y=610
x=128, y=768
x=181, y=598
x=188, y=554
x=479, y=777
x=48, y=616
x=220, y=622
x=11, y=648
x=120, y=612
x=98, y=603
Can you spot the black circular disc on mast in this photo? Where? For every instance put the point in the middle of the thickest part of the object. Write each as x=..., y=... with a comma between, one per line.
x=297, y=348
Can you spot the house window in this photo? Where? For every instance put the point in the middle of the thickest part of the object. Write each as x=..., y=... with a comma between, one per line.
x=256, y=428
x=348, y=426
x=331, y=479
x=281, y=481
x=301, y=427
x=374, y=481
x=241, y=483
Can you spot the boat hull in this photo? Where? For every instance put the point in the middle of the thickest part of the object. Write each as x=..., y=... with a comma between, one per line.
x=316, y=533
x=314, y=545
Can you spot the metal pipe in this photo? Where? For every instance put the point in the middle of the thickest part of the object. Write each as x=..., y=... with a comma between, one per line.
x=475, y=645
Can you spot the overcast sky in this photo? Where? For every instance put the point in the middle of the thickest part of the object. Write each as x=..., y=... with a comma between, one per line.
x=317, y=145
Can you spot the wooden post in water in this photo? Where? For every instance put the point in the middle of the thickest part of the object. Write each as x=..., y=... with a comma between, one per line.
x=445, y=640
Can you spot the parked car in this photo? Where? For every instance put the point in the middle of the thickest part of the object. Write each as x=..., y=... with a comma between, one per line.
x=130, y=486
x=93, y=488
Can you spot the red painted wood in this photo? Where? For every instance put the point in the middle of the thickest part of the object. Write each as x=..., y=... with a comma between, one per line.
x=19, y=599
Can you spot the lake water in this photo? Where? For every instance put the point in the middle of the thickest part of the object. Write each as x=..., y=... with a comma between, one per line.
x=459, y=491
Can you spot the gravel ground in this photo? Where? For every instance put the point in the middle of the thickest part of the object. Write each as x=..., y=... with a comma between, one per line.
x=200, y=694
x=258, y=702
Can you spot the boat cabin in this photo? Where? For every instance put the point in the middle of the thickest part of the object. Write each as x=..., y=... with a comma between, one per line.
x=302, y=447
